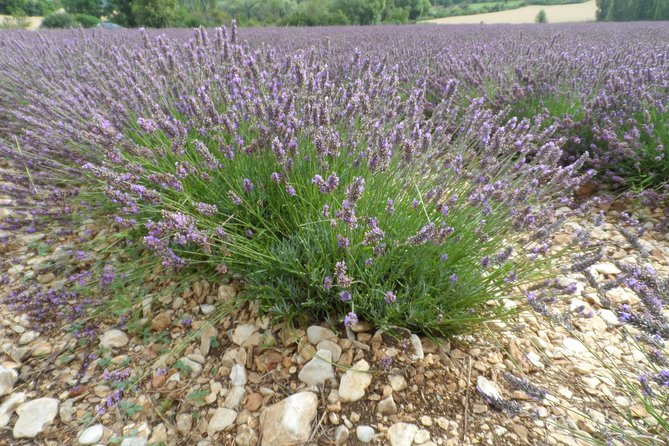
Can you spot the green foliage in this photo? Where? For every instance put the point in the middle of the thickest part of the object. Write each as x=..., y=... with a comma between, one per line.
x=87, y=21
x=120, y=11
x=17, y=20
x=628, y=10
x=541, y=17
x=60, y=20
x=154, y=13
x=27, y=7
x=87, y=7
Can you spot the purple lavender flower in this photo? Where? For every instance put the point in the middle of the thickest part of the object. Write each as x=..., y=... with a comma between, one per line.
x=248, y=185
x=345, y=296
x=351, y=319
x=454, y=278
x=390, y=297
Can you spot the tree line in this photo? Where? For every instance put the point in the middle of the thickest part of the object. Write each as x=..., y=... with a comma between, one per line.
x=629, y=10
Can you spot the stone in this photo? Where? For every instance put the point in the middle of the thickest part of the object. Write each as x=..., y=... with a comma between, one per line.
x=253, y=402
x=365, y=434
x=289, y=421
x=9, y=405
x=234, y=397
x=609, y=317
x=402, y=434
x=487, y=388
x=426, y=421
x=207, y=309
x=397, y=382
x=91, y=435
x=8, y=378
x=222, y=418
x=65, y=411
x=418, y=353
x=318, y=370
x=332, y=347
x=606, y=268
x=184, y=423
x=246, y=436
x=159, y=434
x=574, y=346
x=28, y=337
x=387, y=406
x=162, y=321
x=195, y=367
x=341, y=435
x=522, y=432
x=316, y=334
x=34, y=416
x=134, y=441
x=421, y=437
x=243, y=332
x=238, y=375
x=113, y=338
x=355, y=381
x=208, y=334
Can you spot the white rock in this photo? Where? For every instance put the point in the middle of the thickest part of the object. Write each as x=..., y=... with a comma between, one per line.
x=9, y=405
x=195, y=367
x=113, y=338
x=535, y=360
x=134, y=441
x=28, y=337
x=341, y=435
x=422, y=436
x=316, y=334
x=289, y=421
x=184, y=423
x=234, y=397
x=238, y=375
x=609, y=317
x=91, y=435
x=402, y=434
x=487, y=387
x=606, y=268
x=222, y=418
x=397, y=382
x=333, y=347
x=8, y=378
x=318, y=370
x=574, y=345
x=207, y=308
x=364, y=433
x=34, y=416
x=243, y=332
x=355, y=381
x=622, y=296
x=417, y=354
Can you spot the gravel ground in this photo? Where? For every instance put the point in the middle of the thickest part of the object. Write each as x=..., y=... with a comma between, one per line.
x=246, y=382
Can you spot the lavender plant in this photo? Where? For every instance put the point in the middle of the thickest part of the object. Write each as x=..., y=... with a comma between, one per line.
x=338, y=193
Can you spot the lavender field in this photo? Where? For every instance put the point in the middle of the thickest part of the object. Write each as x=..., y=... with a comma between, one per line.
x=389, y=235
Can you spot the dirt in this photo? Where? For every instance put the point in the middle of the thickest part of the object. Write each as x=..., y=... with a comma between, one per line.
x=579, y=12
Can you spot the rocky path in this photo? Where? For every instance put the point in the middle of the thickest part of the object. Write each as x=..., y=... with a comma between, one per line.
x=245, y=381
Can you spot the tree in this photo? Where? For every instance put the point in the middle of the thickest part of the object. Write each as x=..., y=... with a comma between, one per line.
x=645, y=9
x=541, y=17
x=415, y=8
x=154, y=13
x=362, y=12
x=120, y=11
x=603, y=7
x=88, y=7
x=622, y=10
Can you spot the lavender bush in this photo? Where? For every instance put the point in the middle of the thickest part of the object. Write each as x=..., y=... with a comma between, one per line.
x=333, y=193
